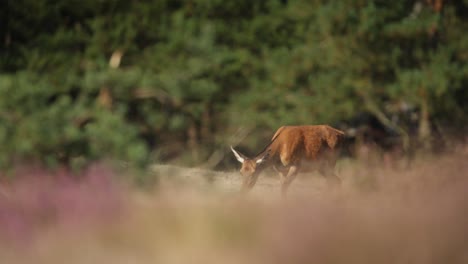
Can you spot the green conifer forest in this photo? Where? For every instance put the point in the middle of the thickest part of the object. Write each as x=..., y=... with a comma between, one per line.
x=179, y=81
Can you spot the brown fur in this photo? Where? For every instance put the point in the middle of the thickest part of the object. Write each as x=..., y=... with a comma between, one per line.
x=290, y=147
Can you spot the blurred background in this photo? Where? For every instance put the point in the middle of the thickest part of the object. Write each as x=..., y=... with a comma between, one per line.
x=172, y=84
x=173, y=81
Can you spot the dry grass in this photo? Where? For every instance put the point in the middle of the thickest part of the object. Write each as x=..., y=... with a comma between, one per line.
x=417, y=215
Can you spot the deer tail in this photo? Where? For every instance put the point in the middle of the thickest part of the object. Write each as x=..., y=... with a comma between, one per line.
x=334, y=138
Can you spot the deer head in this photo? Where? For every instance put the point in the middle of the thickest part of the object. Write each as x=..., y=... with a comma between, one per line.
x=250, y=168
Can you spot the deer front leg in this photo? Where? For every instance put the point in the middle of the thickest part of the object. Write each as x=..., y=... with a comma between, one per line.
x=282, y=171
x=286, y=180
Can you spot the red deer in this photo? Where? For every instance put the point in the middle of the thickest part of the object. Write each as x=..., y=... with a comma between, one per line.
x=289, y=149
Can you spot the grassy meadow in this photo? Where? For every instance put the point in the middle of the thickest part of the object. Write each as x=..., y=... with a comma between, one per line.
x=415, y=215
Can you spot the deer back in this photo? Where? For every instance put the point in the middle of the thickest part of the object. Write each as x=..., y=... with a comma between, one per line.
x=292, y=144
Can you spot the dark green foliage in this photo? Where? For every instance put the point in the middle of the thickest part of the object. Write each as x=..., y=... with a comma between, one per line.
x=141, y=81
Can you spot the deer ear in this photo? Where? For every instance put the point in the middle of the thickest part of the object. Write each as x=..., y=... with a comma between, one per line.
x=239, y=156
x=263, y=158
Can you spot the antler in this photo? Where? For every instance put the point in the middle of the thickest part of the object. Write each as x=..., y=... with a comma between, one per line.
x=239, y=156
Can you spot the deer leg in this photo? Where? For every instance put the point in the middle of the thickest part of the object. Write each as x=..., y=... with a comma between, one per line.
x=282, y=171
x=327, y=170
x=286, y=180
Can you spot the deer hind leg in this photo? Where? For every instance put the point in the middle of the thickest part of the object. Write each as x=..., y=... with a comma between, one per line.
x=286, y=180
x=327, y=170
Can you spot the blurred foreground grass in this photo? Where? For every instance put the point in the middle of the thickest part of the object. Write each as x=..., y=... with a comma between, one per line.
x=416, y=215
